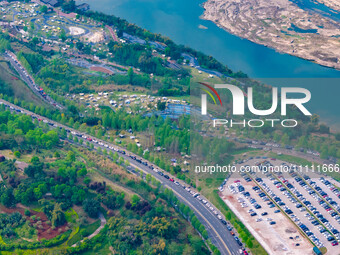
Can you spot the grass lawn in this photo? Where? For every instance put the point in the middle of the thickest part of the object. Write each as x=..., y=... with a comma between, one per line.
x=85, y=230
x=96, y=177
x=204, y=77
x=292, y=159
x=9, y=154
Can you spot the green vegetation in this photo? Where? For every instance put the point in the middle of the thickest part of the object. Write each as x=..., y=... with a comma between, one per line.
x=292, y=159
x=55, y=188
x=84, y=231
x=59, y=177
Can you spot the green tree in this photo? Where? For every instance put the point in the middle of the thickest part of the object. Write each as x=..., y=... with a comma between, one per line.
x=71, y=156
x=91, y=207
x=43, y=9
x=130, y=75
x=17, y=154
x=58, y=216
x=135, y=200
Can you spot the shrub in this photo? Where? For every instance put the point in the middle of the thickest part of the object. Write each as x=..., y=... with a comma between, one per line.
x=17, y=154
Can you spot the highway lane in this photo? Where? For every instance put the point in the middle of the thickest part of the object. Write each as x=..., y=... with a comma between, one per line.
x=28, y=79
x=218, y=232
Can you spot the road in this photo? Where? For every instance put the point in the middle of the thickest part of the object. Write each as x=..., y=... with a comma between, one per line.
x=11, y=57
x=218, y=233
x=113, y=34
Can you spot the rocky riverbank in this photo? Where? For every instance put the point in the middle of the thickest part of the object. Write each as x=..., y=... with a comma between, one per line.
x=281, y=25
x=334, y=4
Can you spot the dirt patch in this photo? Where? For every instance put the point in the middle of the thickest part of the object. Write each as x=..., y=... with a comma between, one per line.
x=101, y=69
x=44, y=230
x=76, y=30
x=21, y=165
x=95, y=37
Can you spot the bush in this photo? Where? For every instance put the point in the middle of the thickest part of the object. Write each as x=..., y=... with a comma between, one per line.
x=17, y=154
x=27, y=212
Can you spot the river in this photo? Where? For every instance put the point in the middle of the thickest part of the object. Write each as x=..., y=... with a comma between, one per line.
x=180, y=21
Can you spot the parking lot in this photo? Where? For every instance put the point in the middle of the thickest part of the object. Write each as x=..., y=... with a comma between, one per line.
x=307, y=209
x=273, y=230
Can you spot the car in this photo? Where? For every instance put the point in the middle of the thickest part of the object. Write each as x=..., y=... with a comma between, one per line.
x=272, y=223
x=253, y=214
x=166, y=177
x=335, y=243
x=264, y=213
x=172, y=180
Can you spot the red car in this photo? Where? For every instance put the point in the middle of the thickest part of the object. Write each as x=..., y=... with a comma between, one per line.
x=334, y=243
x=89, y=139
x=172, y=180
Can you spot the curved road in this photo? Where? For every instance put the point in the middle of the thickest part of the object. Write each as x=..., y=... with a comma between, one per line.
x=217, y=231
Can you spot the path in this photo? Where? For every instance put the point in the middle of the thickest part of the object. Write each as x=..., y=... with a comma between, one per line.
x=102, y=224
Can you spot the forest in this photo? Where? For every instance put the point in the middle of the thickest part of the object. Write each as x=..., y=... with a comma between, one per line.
x=42, y=200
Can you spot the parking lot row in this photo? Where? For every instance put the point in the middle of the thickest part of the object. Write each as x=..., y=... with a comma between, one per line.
x=312, y=221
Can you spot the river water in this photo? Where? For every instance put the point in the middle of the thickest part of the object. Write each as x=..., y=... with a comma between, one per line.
x=180, y=21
